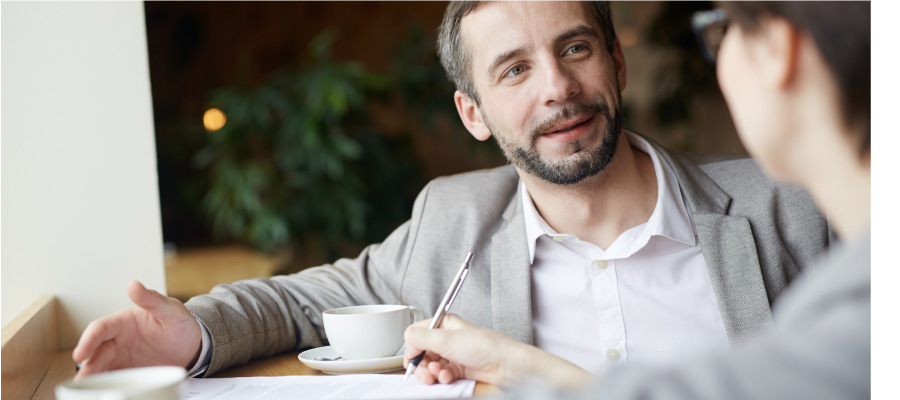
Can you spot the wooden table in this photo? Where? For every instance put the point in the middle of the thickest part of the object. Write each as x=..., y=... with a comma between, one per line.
x=33, y=364
x=288, y=364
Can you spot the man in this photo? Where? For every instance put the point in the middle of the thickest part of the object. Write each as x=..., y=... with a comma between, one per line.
x=801, y=104
x=595, y=245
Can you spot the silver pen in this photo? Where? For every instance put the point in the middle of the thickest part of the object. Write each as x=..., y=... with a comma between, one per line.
x=443, y=308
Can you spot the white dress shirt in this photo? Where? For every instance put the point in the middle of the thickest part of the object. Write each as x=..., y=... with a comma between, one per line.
x=646, y=299
x=202, y=364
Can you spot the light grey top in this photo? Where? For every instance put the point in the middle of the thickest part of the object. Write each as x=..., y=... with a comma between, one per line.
x=820, y=348
x=755, y=235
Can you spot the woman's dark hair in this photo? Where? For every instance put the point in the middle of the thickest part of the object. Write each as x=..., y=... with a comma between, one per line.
x=842, y=32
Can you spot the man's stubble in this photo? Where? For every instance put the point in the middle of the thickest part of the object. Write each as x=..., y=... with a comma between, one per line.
x=566, y=172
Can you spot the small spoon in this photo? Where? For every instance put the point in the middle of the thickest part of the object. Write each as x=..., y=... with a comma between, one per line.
x=327, y=359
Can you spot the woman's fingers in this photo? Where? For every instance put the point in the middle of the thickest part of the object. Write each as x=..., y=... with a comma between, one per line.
x=448, y=372
x=434, y=368
x=453, y=321
x=440, y=371
x=423, y=373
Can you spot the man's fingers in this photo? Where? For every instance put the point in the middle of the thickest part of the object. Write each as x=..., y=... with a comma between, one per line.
x=99, y=360
x=150, y=300
x=106, y=328
x=86, y=344
x=96, y=333
x=143, y=297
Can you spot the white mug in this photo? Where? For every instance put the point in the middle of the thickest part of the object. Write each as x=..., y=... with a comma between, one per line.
x=367, y=332
x=145, y=383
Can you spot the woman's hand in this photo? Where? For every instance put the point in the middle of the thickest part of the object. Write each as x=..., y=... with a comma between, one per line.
x=462, y=350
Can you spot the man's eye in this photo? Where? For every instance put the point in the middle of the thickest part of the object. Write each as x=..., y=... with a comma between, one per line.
x=517, y=70
x=578, y=48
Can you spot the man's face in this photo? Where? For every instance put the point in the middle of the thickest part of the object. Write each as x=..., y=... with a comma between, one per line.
x=549, y=89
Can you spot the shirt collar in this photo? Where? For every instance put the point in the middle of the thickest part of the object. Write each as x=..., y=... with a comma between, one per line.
x=670, y=217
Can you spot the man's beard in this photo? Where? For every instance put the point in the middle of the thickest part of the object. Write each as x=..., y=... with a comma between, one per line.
x=565, y=172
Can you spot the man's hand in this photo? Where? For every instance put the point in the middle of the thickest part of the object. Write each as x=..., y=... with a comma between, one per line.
x=462, y=350
x=159, y=331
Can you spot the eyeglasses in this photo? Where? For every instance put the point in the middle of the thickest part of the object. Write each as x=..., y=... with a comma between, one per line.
x=709, y=28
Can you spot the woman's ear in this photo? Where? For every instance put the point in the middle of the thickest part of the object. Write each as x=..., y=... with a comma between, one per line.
x=780, y=49
x=470, y=114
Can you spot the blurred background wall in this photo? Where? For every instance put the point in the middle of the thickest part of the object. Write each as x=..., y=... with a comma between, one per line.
x=80, y=205
x=311, y=171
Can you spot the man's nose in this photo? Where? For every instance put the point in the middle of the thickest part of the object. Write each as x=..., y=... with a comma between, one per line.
x=559, y=84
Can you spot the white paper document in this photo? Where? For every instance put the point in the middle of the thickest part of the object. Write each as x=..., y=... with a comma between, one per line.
x=371, y=386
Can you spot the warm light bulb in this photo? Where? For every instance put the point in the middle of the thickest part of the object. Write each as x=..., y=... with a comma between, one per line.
x=213, y=119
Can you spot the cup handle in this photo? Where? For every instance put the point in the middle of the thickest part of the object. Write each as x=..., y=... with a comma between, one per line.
x=415, y=314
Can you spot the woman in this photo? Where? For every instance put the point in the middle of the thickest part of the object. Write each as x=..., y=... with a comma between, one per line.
x=796, y=77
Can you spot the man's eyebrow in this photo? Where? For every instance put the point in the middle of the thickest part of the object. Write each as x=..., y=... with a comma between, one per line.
x=581, y=30
x=503, y=58
x=565, y=36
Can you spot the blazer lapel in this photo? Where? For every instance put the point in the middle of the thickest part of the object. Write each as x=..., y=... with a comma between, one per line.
x=511, y=276
x=730, y=254
x=729, y=250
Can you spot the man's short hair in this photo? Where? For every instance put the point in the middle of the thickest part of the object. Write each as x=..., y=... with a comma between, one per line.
x=457, y=60
x=842, y=33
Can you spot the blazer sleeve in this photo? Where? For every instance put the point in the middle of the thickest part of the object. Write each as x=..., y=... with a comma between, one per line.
x=258, y=318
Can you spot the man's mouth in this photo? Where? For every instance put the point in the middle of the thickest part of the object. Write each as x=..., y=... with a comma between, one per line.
x=569, y=125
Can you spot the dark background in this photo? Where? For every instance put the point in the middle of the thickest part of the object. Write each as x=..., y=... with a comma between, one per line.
x=197, y=48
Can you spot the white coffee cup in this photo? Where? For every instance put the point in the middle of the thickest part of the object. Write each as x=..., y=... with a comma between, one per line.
x=367, y=332
x=146, y=383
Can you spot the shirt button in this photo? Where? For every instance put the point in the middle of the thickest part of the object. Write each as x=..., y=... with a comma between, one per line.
x=600, y=264
x=612, y=354
x=559, y=239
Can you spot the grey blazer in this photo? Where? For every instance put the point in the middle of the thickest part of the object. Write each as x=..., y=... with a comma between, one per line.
x=755, y=236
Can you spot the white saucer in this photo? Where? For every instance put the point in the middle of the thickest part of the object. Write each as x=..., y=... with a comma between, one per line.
x=338, y=367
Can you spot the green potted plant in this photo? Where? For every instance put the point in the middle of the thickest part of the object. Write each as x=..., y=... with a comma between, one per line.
x=298, y=157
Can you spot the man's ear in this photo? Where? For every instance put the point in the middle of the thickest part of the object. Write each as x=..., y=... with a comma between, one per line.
x=619, y=60
x=470, y=114
x=780, y=52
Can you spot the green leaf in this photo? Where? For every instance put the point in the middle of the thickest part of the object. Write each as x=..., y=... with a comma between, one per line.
x=346, y=147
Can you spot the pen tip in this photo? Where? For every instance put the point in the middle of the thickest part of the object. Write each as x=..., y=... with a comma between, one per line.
x=409, y=370
x=469, y=257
